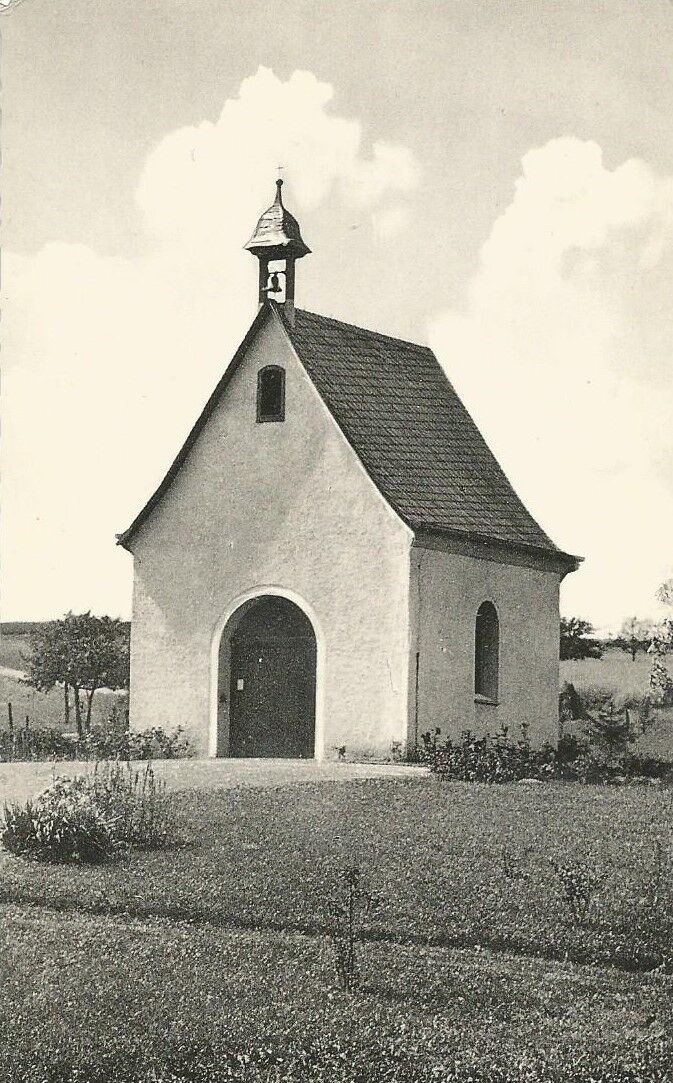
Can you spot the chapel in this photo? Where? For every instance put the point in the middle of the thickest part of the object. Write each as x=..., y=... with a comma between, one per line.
x=335, y=560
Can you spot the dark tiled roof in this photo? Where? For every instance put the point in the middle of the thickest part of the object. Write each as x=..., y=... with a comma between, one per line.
x=412, y=433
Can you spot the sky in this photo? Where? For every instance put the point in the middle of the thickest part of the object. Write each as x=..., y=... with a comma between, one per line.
x=494, y=179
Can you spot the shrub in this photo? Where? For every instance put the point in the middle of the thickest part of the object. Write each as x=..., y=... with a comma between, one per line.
x=65, y=823
x=570, y=747
x=89, y=818
x=638, y=766
x=496, y=758
x=155, y=743
x=594, y=700
x=35, y=744
x=112, y=743
x=661, y=682
x=489, y=758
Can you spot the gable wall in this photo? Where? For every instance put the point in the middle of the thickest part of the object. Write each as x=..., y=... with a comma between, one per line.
x=284, y=506
x=446, y=592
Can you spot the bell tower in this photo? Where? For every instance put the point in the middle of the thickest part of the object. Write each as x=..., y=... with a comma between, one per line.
x=277, y=244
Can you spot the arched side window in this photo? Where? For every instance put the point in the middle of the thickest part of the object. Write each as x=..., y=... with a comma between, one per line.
x=271, y=393
x=486, y=652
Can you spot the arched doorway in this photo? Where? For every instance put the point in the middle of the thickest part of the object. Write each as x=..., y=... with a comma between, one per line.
x=267, y=678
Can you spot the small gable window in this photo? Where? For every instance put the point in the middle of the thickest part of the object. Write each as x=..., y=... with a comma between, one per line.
x=271, y=394
x=486, y=652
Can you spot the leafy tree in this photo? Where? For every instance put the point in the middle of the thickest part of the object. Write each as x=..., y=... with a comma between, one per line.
x=661, y=682
x=635, y=635
x=83, y=653
x=575, y=640
x=665, y=592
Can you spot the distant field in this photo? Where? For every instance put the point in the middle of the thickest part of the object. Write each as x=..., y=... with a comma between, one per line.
x=12, y=650
x=614, y=671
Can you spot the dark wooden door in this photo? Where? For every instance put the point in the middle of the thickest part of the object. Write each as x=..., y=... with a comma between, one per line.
x=272, y=698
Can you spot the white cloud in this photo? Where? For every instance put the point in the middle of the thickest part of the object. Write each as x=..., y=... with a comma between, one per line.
x=202, y=182
x=108, y=361
x=562, y=352
x=390, y=221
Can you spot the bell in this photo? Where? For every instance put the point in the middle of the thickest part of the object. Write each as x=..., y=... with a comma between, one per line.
x=274, y=284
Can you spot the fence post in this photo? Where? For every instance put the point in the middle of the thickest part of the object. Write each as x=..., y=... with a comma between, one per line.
x=12, y=737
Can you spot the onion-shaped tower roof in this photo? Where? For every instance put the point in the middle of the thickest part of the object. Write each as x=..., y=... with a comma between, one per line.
x=277, y=233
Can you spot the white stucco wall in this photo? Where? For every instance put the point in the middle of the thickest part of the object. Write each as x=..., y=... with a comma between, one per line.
x=446, y=592
x=265, y=507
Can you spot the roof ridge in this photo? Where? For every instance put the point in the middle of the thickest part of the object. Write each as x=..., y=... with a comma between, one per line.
x=364, y=330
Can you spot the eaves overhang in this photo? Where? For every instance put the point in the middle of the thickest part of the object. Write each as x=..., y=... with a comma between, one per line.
x=483, y=547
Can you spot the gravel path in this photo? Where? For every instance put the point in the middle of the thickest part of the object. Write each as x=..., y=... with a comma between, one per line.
x=21, y=780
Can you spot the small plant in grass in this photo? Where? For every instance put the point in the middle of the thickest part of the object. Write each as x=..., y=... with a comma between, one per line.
x=512, y=868
x=90, y=818
x=656, y=880
x=579, y=881
x=346, y=909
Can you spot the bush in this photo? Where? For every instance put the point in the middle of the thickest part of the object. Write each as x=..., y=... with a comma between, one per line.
x=155, y=743
x=496, y=758
x=570, y=747
x=489, y=758
x=112, y=743
x=90, y=818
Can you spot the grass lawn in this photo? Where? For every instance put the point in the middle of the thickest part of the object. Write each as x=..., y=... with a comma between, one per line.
x=219, y=946
x=98, y=999
x=454, y=864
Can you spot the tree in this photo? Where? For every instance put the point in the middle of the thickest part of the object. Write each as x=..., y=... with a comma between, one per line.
x=635, y=635
x=83, y=653
x=612, y=730
x=575, y=640
x=665, y=592
x=661, y=682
